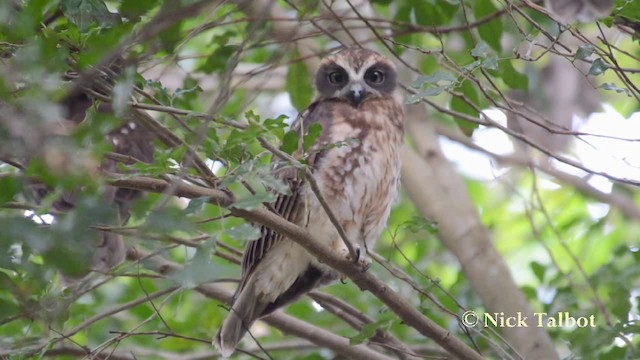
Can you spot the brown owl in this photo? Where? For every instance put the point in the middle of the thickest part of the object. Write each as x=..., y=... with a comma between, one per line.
x=356, y=164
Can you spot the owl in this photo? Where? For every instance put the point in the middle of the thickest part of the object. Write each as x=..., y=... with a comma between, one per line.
x=356, y=165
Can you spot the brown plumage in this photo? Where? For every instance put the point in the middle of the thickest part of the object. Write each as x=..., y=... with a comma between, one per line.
x=356, y=164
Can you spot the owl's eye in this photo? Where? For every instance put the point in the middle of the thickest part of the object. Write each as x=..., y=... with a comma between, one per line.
x=374, y=76
x=337, y=77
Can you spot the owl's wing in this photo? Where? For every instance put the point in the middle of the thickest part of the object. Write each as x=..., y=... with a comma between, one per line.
x=291, y=206
x=285, y=206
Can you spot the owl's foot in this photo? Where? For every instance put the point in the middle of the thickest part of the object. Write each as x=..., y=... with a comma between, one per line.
x=363, y=261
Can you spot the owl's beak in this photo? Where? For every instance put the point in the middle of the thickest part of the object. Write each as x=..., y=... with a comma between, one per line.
x=356, y=94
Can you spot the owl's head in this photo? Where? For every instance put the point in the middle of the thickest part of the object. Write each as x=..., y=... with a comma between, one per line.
x=355, y=75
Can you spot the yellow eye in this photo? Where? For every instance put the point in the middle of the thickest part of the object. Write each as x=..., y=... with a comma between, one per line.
x=374, y=76
x=337, y=78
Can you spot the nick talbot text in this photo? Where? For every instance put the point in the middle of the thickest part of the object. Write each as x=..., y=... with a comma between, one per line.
x=559, y=320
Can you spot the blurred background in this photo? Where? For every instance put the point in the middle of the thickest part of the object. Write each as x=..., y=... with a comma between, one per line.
x=519, y=183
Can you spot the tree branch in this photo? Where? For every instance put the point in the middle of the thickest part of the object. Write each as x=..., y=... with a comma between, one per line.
x=279, y=320
x=365, y=280
x=357, y=320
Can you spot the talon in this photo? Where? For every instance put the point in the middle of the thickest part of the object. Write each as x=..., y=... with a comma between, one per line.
x=364, y=262
x=357, y=251
x=343, y=280
x=366, y=266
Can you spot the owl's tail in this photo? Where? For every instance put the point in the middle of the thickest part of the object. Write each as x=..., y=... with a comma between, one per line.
x=243, y=313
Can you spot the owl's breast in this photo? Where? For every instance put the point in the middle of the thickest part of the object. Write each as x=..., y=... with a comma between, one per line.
x=360, y=173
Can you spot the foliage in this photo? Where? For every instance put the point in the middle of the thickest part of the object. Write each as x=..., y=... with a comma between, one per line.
x=209, y=73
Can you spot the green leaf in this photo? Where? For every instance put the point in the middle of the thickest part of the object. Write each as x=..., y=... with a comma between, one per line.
x=83, y=13
x=187, y=96
x=384, y=320
x=613, y=87
x=133, y=9
x=21, y=21
x=471, y=67
x=491, y=32
x=403, y=14
x=615, y=353
x=490, y=63
x=457, y=104
x=195, y=205
x=99, y=44
x=538, y=270
x=628, y=9
x=599, y=66
x=299, y=85
x=219, y=59
x=167, y=220
x=468, y=90
x=274, y=184
x=620, y=304
x=171, y=36
x=244, y=232
x=435, y=78
x=199, y=269
x=242, y=137
x=290, y=142
x=68, y=244
x=277, y=123
x=7, y=308
x=10, y=186
x=159, y=91
x=433, y=12
x=72, y=260
x=253, y=202
x=312, y=136
x=424, y=13
x=513, y=78
x=431, y=91
x=630, y=327
x=235, y=148
x=481, y=50
x=584, y=52
x=530, y=292
x=367, y=332
x=305, y=7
